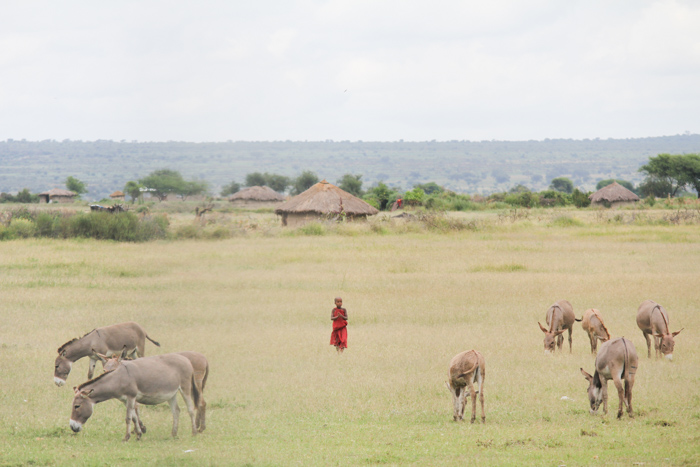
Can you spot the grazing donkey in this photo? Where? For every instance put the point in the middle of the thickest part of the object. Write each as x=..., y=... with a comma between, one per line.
x=560, y=317
x=150, y=381
x=201, y=373
x=108, y=340
x=617, y=360
x=594, y=326
x=466, y=369
x=652, y=319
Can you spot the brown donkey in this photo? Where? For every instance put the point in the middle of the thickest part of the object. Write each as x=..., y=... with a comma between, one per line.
x=617, y=360
x=108, y=340
x=593, y=324
x=466, y=369
x=201, y=373
x=560, y=317
x=150, y=381
x=652, y=319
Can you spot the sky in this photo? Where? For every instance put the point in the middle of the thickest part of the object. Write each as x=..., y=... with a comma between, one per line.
x=357, y=70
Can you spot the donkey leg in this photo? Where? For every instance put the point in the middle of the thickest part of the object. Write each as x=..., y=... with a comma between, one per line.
x=620, y=394
x=646, y=336
x=176, y=414
x=594, y=343
x=131, y=415
x=481, y=396
x=629, y=383
x=201, y=414
x=189, y=403
x=472, y=396
x=570, y=351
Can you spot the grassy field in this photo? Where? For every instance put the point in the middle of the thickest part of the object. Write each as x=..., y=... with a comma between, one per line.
x=259, y=306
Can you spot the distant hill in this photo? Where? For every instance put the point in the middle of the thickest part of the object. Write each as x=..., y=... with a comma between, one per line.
x=463, y=166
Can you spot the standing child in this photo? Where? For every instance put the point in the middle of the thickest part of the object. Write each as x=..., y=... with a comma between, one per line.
x=339, y=336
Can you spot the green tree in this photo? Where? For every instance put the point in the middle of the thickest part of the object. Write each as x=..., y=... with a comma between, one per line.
x=381, y=196
x=430, y=188
x=193, y=188
x=303, y=182
x=690, y=164
x=255, y=179
x=562, y=184
x=580, y=198
x=165, y=182
x=279, y=183
x=414, y=197
x=351, y=183
x=519, y=188
x=133, y=189
x=75, y=185
x=609, y=181
x=666, y=170
x=231, y=188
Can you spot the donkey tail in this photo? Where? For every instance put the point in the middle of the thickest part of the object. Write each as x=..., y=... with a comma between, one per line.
x=578, y=319
x=156, y=343
x=195, y=392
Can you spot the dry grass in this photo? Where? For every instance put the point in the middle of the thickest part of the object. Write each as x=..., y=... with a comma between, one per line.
x=259, y=307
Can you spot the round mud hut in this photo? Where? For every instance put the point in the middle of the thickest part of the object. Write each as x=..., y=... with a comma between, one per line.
x=613, y=196
x=256, y=197
x=323, y=201
x=118, y=196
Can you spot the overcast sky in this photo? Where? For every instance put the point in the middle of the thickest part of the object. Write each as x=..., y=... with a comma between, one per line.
x=369, y=70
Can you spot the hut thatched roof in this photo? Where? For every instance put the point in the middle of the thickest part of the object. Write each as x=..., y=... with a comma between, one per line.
x=325, y=198
x=116, y=194
x=613, y=193
x=58, y=192
x=257, y=193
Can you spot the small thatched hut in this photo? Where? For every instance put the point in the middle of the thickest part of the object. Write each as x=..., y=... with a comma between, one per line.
x=117, y=196
x=257, y=197
x=57, y=195
x=322, y=200
x=613, y=196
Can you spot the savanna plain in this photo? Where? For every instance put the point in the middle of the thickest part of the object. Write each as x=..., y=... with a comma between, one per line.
x=259, y=306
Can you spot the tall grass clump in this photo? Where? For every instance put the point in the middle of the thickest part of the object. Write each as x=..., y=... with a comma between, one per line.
x=566, y=221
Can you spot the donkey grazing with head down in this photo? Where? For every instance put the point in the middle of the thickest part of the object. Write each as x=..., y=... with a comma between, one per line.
x=200, y=366
x=466, y=369
x=617, y=360
x=593, y=324
x=108, y=340
x=652, y=319
x=560, y=317
x=150, y=381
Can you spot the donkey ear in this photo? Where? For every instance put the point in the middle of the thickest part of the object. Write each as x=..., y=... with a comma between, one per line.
x=559, y=333
x=586, y=375
x=85, y=395
x=544, y=330
x=677, y=332
x=123, y=354
x=660, y=336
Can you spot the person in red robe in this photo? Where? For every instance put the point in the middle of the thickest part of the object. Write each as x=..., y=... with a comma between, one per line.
x=339, y=336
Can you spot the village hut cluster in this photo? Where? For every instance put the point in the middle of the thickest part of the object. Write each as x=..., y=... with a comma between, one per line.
x=57, y=195
x=256, y=197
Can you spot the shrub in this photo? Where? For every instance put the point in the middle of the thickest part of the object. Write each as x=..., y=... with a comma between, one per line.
x=312, y=228
x=566, y=221
x=22, y=228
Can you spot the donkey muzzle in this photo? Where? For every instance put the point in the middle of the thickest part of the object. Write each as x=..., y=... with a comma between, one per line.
x=669, y=357
x=59, y=382
x=75, y=426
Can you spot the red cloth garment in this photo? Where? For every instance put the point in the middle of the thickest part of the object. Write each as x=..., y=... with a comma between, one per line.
x=339, y=336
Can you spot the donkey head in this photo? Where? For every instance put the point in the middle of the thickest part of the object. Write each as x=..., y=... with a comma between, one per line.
x=457, y=401
x=62, y=368
x=82, y=409
x=549, y=339
x=667, y=343
x=595, y=391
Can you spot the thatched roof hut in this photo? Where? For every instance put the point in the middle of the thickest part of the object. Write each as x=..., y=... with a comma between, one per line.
x=117, y=195
x=257, y=196
x=57, y=195
x=323, y=199
x=613, y=195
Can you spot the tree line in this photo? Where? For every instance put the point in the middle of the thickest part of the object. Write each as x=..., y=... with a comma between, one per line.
x=665, y=175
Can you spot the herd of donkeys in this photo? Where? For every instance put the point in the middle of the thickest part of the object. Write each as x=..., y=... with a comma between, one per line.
x=135, y=379
x=616, y=360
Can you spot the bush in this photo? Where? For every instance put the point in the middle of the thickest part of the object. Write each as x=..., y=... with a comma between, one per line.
x=22, y=228
x=566, y=221
x=312, y=228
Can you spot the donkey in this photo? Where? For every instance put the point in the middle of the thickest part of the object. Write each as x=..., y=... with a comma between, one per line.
x=201, y=373
x=149, y=381
x=560, y=317
x=594, y=326
x=108, y=340
x=466, y=368
x=617, y=360
x=652, y=319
